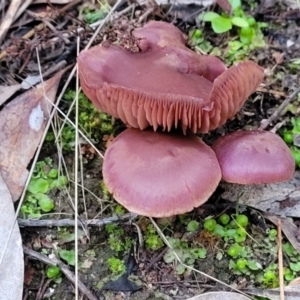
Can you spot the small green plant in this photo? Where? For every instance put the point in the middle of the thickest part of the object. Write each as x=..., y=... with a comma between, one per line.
x=117, y=239
x=93, y=15
x=53, y=272
x=234, y=250
x=248, y=27
x=152, y=240
x=116, y=265
x=44, y=180
x=186, y=253
x=192, y=226
x=68, y=256
x=93, y=123
x=249, y=32
x=210, y=224
x=292, y=138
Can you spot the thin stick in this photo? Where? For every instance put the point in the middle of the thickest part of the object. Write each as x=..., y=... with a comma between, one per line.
x=71, y=222
x=77, y=145
x=9, y=18
x=265, y=123
x=54, y=261
x=280, y=260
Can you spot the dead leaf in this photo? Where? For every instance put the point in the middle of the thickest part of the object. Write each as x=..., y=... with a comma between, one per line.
x=290, y=293
x=7, y=91
x=52, y=1
x=281, y=199
x=295, y=282
x=12, y=266
x=220, y=296
x=22, y=123
x=291, y=231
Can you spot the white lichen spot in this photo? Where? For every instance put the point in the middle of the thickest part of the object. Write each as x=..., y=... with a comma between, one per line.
x=36, y=118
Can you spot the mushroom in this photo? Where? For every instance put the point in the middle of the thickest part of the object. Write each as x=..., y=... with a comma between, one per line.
x=254, y=157
x=159, y=174
x=166, y=84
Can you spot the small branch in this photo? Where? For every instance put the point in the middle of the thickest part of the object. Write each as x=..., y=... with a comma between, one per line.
x=63, y=267
x=9, y=18
x=280, y=261
x=266, y=122
x=71, y=222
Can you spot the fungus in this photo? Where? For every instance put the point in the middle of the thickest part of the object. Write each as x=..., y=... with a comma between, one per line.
x=254, y=157
x=158, y=174
x=166, y=84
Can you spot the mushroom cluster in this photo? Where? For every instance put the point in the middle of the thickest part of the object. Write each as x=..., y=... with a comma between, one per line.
x=152, y=169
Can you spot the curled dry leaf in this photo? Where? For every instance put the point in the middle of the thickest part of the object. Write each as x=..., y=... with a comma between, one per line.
x=22, y=124
x=220, y=296
x=280, y=198
x=166, y=84
x=12, y=265
x=7, y=91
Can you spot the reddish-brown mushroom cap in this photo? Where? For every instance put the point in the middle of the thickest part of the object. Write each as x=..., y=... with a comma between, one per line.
x=160, y=174
x=165, y=85
x=254, y=157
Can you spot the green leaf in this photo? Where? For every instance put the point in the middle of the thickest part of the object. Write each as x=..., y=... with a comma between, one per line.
x=235, y=4
x=247, y=34
x=192, y=226
x=219, y=256
x=53, y=272
x=295, y=266
x=240, y=22
x=169, y=256
x=53, y=173
x=254, y=265
x=180, y=269
x=38, y=185
x=209, y=16
x=221, y=24
x=68, y=256
x=45, y=202
x=199, y=252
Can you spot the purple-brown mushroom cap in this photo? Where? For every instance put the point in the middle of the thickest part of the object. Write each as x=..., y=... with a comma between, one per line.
x=166, y=84
x=159, y=174
x=254, y=157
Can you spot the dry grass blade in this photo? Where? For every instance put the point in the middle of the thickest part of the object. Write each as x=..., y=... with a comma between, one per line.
x=280, y=260
x=265, y=123
x=9, y=18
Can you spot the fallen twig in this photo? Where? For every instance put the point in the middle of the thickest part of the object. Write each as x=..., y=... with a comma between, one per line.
x=54, y=261
x=71, y=222
x=266, y=122
x=9, y=18
x=280, y=261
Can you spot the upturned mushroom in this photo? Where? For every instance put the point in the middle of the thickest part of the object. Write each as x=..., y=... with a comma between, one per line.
x=166, y=84
x=160, y=174
x=254, y=157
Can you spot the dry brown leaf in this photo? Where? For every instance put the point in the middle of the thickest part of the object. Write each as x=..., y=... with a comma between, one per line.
x=7, y=91
x=11, y=252
x=276, y=198
x=288, y=227
x=22, y=123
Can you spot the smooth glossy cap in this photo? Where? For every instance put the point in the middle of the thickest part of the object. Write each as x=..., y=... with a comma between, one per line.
x=254, y=157
x=158, y=174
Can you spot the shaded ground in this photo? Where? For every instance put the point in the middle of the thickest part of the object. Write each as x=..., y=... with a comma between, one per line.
x=157, y=279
